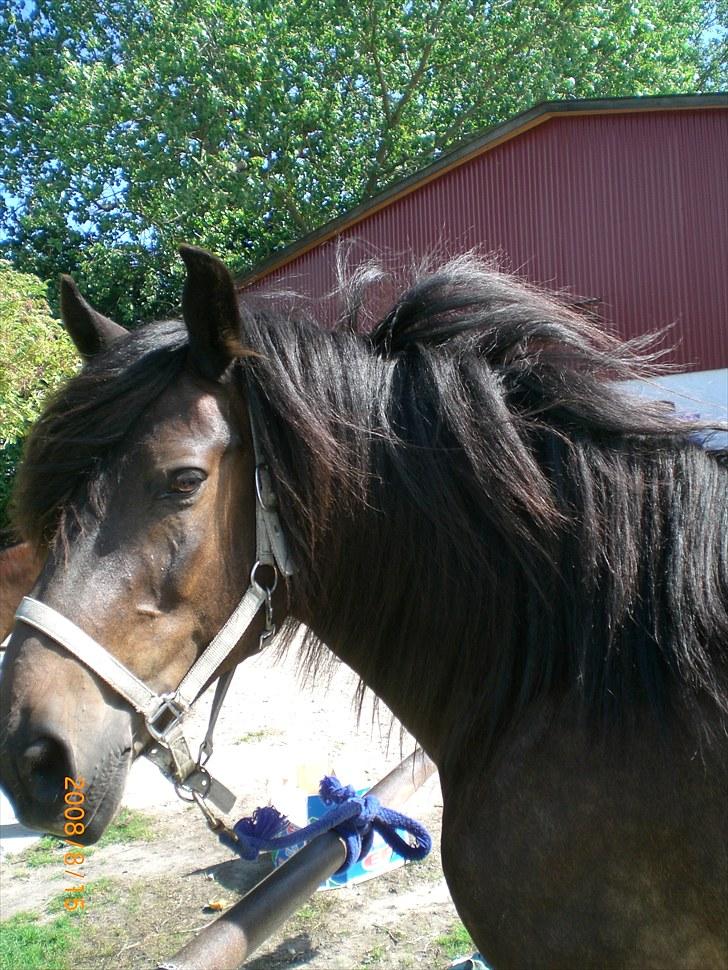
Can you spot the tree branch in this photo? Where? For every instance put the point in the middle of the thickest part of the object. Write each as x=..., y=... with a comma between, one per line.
x=300, y=222
x=374, y=51
x=393, y=118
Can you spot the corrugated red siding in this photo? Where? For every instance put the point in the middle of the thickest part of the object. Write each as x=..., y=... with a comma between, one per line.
x=630, y=209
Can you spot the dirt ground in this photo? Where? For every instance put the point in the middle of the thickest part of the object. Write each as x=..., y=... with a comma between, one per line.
x=147, y=898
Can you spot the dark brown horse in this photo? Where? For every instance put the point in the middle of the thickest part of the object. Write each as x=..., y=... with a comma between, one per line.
x=527, y=566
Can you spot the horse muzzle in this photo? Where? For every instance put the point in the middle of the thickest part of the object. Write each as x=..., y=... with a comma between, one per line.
x=52, y=746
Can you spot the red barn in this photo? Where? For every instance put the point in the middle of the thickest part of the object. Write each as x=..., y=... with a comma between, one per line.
x=621, y=202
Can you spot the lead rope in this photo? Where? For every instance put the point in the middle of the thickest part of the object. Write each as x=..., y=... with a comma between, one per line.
x=355, y=818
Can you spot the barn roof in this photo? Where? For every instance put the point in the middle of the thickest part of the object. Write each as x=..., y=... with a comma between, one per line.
x=474, y=147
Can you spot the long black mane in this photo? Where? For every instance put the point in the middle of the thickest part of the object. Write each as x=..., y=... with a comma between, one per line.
x=475, y=505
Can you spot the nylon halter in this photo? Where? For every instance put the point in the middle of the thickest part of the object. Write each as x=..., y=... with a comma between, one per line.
x=163, y=713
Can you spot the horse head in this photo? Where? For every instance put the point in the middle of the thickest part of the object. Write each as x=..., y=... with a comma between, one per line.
x=139, y=480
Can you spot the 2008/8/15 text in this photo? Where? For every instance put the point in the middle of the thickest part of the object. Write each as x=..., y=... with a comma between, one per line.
x=74, y=814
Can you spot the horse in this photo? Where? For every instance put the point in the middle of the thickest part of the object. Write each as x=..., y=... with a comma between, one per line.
x=19, y=568
x=525, y=563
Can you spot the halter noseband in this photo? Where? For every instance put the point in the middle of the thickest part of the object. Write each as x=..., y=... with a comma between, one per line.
x=163, y=713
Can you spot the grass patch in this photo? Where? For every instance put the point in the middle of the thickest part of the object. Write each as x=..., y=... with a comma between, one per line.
x=102, y=887
x=96, y=893
x=139, y=924
x=48, y=851
x=129, y=826
x=456, y=942
x=307, y=913
x=312, y=916
x=27, y=944
x=42, y=853
x=375, y=955
x=137, y=898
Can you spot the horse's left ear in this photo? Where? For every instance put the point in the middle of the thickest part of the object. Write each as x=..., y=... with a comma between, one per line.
x=210, y=311
x=90, y=330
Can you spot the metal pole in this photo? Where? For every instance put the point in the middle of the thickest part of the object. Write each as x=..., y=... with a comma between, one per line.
x=230, y=940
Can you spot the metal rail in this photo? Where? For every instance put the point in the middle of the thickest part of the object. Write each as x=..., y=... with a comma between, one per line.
x=230, y=940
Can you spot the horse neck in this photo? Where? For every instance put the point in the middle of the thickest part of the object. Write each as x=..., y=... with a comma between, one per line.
x=392, y=685
x=458, y=652
x=389, y=613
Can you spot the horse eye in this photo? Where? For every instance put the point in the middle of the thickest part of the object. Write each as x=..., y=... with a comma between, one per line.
x=186, y=482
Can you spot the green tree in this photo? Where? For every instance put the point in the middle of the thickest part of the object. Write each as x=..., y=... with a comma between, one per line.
x=36, y=354
x=714, y=67
x=128, y=126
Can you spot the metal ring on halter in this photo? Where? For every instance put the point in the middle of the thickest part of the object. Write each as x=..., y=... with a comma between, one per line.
x=186, y=794
x=261, y=586
x=190, y=795
x=197, y=783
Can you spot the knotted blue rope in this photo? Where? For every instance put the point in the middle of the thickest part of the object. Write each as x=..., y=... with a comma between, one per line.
x=355, y=818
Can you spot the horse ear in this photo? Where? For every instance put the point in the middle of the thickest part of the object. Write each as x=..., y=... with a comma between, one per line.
x=90, y=331
x=210, y=311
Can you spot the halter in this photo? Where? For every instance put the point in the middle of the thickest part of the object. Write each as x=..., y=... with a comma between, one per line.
x=164, y=713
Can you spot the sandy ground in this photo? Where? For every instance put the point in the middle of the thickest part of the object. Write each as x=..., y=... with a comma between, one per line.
x=273, y=734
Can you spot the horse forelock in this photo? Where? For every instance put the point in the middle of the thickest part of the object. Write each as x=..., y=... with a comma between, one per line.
x=74, y=446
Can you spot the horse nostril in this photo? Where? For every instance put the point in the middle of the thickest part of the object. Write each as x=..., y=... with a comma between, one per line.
x=43, y=768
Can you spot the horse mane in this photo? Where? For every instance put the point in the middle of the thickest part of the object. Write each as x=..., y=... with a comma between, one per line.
x=468, y=492
x=471, y=493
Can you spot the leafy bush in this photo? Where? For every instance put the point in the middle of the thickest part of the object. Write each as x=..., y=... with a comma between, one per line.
x=36, y=355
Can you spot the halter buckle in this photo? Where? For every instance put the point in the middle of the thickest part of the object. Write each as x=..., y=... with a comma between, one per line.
x=171, y=706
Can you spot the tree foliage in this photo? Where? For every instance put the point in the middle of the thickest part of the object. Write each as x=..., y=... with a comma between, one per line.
x=128, y=126
x=36, y=354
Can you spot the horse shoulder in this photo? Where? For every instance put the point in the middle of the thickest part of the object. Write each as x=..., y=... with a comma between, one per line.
x=565, y=854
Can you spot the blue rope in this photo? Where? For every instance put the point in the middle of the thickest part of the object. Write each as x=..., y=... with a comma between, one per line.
x=354, y=818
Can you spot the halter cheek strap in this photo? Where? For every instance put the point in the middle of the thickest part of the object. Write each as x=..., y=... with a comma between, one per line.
x=163, y=713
